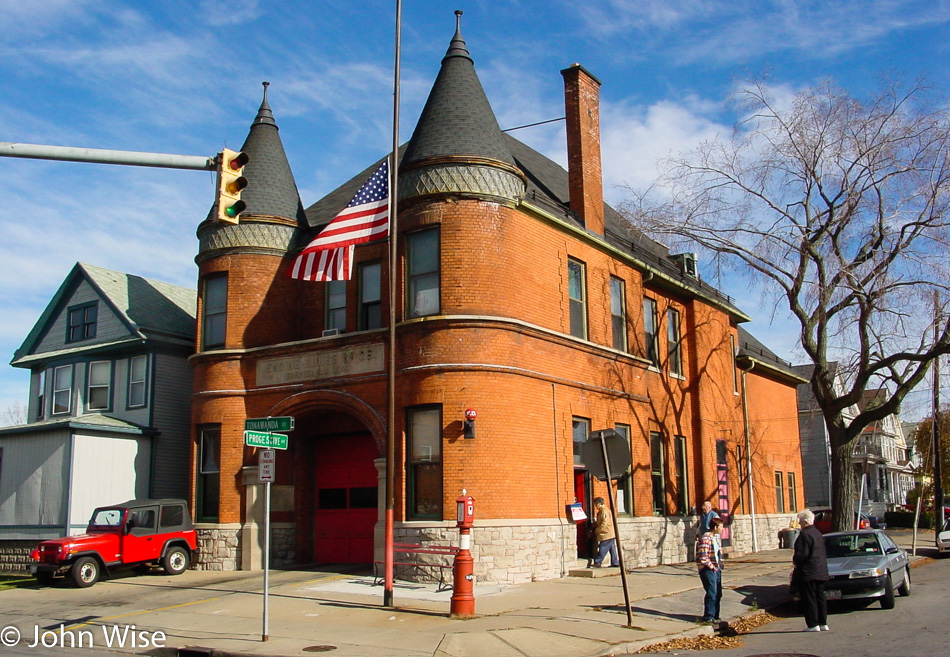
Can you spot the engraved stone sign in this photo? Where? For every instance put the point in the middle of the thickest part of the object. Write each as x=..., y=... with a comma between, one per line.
x=320, y=365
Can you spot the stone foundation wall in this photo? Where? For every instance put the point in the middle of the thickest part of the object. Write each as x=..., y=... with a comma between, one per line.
x=283, y=545
x=15, y=556
x=520, y=551
x=504, y=553
x=219, y=548
x=515, y=551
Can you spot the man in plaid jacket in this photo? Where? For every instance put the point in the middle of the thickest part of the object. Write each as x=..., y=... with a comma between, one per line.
x=709, y=563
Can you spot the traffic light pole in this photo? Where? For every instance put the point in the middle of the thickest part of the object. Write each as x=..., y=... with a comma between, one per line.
x=103, y=156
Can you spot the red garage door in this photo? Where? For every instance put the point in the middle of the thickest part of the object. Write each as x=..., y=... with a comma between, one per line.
x=346, y=499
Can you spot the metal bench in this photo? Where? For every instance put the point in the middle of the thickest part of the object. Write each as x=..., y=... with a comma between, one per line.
x=418, y=566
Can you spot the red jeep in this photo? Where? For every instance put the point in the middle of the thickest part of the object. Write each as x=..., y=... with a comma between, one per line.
x=137, y=533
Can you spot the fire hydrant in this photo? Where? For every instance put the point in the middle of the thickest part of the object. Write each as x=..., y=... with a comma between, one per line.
x=463, y=584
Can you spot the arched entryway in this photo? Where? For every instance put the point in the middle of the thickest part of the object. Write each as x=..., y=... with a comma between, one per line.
x=334, y=449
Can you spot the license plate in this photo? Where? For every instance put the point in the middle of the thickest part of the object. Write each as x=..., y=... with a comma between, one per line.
x=833, y=595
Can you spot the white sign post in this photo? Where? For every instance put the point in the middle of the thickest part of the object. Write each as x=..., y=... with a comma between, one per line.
x=266, y=469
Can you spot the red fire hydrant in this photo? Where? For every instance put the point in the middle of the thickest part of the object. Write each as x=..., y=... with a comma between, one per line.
x=463, y=597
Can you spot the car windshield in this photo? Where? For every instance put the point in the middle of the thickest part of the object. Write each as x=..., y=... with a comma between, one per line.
x=851, y=545
x=946, y=526
x=106, y=518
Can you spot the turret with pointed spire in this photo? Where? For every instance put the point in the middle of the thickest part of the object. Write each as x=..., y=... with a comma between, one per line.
x=274, y=209
x=457, y=146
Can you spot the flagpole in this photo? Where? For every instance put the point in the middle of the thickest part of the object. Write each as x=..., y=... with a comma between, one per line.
x=391, y=366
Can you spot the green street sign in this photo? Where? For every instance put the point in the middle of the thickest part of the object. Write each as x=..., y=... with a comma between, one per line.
x=282, y=423
x=265, y=439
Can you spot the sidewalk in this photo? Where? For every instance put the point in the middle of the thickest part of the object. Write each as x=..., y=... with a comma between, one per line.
x=313, y=611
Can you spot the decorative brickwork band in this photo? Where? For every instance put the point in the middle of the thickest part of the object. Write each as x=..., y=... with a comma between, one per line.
x=253, y=235
x=461, y=178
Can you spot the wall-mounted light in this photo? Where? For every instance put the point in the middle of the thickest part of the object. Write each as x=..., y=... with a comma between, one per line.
x=469, y=424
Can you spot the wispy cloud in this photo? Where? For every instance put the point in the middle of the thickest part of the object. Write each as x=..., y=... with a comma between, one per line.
x=744, y=30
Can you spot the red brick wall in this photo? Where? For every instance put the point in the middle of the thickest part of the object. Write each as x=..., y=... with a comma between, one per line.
x=510, y=358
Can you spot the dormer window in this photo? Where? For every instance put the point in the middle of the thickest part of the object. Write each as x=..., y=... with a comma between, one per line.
x=81, y=322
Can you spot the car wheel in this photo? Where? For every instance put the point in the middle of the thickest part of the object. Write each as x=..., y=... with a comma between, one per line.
x=84, y=572
x=45, y=577
x=175, y=561
x=887, y=601
x=904, y=588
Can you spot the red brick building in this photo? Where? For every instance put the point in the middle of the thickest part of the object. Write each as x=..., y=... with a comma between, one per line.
x=521, y=295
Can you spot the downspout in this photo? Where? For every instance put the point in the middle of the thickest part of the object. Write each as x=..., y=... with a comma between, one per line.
x=748, y=452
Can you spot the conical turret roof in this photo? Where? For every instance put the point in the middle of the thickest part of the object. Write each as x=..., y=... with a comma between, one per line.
x=274, y=210
x=457, y=119
x=457, y=146
x=271, y=190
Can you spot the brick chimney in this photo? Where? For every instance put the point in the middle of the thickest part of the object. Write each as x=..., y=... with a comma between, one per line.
x=582, y=108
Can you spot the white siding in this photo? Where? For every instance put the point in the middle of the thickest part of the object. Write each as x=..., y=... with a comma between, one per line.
x=107, y=471
x=33, y=484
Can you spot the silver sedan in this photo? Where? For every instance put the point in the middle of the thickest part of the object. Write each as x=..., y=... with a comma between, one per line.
x=866, y=564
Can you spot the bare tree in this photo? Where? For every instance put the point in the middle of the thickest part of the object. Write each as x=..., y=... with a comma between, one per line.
x=13, y=415
x=838, y=208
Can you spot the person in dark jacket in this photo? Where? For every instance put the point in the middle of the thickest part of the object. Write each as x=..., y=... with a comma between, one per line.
x=811, y=572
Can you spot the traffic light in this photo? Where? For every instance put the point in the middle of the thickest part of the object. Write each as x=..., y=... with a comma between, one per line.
x=230, y=184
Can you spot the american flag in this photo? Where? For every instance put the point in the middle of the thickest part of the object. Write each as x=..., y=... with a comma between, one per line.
x=329, y=257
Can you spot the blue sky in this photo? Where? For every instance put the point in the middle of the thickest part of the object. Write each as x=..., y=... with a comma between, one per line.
x=183, y=76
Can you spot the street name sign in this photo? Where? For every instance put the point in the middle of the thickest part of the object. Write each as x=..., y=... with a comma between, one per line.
x=265, y=439
x=281, y=423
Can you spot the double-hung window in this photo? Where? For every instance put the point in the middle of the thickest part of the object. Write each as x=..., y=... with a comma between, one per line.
x=779, y=493
x=682, y=494
x=99, y=387
x=674, y=342
x=792, y=493
x=577, y=296
x=41, y=394
x=580, y=430
x=336, y=305
x=649, y=331
x=370, y=309
x=62, y=388
x=657, y=473
x=208, y=483
x=618, y=314
x=215, y=311
x=424, y=448
x=624, y=483
x=423, y=275
x=138, y=387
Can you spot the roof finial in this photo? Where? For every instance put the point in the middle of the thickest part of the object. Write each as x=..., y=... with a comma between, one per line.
x=457, y=46
x=264, y=114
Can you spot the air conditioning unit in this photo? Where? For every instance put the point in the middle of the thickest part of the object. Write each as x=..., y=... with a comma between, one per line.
x=687, y=262
x=334, y=331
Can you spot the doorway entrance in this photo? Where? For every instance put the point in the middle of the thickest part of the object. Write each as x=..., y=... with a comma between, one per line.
x=582, y=496
x=345, y=498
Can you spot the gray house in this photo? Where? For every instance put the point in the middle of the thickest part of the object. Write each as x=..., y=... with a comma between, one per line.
x=109, y=405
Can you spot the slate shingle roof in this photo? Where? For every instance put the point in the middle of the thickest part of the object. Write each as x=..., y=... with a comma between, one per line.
x=271, y=190
x=458, y=122
x=457, y=118
x=152, y=310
